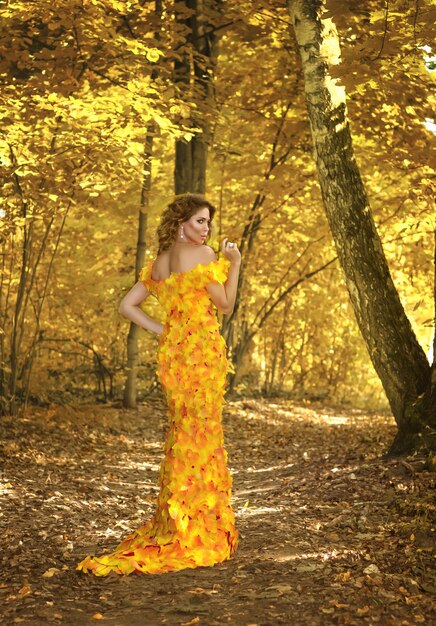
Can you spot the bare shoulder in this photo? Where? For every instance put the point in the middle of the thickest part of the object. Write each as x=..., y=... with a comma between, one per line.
x=161, y=261
x=181, y=258
x=163, y=256
x=206, y=254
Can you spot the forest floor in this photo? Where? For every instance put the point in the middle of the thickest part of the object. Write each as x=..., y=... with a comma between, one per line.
x=328, y=532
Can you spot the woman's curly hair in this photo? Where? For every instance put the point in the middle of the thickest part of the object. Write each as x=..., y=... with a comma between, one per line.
x=180, y=210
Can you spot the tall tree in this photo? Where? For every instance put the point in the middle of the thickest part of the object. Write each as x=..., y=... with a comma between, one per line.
x=400, y=362
x=193, y=76
x=130, y=390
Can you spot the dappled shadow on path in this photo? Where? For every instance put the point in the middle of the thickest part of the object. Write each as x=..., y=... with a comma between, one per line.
x=329, y=533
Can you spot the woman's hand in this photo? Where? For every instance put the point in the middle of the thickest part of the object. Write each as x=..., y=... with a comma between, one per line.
x=230, y=251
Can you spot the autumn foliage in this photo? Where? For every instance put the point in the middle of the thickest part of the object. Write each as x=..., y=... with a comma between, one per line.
x=84, y=84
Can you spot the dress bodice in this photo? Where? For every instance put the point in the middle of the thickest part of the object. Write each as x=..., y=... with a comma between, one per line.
x=184, y=294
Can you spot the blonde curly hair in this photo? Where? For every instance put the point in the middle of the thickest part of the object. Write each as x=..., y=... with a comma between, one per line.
x=180, y=210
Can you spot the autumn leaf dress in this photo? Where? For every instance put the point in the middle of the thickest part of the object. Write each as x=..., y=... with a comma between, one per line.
x=193, y=524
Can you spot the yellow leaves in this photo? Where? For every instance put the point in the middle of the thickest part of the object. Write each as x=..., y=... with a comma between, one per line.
x=134, y=161
x=211, y=500
x=371, y=569
x=52, y=97
x=176, y=511
x=377, y=16
x=194, y=620
x=26, y=590
x=135, y=147
x=343, y=577
x=412, y=600
x=197, y=542
x=5, y=487
x=162, y=121
x=52, y=571
x=364, y=610
x=183, y=110
x=338, y=605
x=335, y=604
x=23, y=171
x=118, y=5
x=153, y=54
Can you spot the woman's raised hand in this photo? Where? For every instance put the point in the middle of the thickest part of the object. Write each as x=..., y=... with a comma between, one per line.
x=230, y=250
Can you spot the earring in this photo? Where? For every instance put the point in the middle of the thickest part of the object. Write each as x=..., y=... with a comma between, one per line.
x=181, y=233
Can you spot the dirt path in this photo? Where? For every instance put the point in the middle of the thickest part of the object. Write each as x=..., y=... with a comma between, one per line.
x=329, y=534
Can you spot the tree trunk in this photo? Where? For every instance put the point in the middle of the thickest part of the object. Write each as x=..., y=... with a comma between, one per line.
x=190, y=166
x=130, y=388
x=398, y=359
x=193, y=76
x=130, y=393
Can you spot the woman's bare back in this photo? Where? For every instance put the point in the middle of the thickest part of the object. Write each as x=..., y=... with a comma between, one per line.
x=181, y=257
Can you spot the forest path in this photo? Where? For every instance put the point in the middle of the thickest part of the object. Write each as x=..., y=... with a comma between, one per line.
x=328, y=533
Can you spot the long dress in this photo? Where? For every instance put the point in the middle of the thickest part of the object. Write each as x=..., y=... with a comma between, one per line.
x=193, y=523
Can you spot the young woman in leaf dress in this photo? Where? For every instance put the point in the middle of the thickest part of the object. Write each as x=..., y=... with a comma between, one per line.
x=193, y=524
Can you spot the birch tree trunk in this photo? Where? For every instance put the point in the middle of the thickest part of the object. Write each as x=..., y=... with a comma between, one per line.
x=399, y=360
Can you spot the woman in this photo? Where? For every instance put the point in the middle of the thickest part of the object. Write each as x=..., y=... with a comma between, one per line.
x=193, y=524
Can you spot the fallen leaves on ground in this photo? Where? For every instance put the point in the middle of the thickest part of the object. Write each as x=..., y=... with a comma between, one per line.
x=329, y=532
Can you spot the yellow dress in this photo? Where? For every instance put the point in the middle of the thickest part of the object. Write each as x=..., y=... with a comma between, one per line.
x=193, y=524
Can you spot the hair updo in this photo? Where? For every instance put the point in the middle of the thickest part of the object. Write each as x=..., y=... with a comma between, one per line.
x=180, y=210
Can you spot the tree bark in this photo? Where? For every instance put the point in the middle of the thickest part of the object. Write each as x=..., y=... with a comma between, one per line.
x=193, y=76
x=399, y=360
x=130, y=388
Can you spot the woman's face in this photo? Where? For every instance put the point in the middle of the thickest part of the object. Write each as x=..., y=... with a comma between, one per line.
x=197, y=227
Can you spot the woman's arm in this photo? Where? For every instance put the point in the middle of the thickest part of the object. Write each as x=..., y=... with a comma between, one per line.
x=224, y=296
x=129, y=307
x=231, y=286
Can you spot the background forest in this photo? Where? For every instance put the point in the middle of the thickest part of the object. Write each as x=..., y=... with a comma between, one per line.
x=96, y=101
